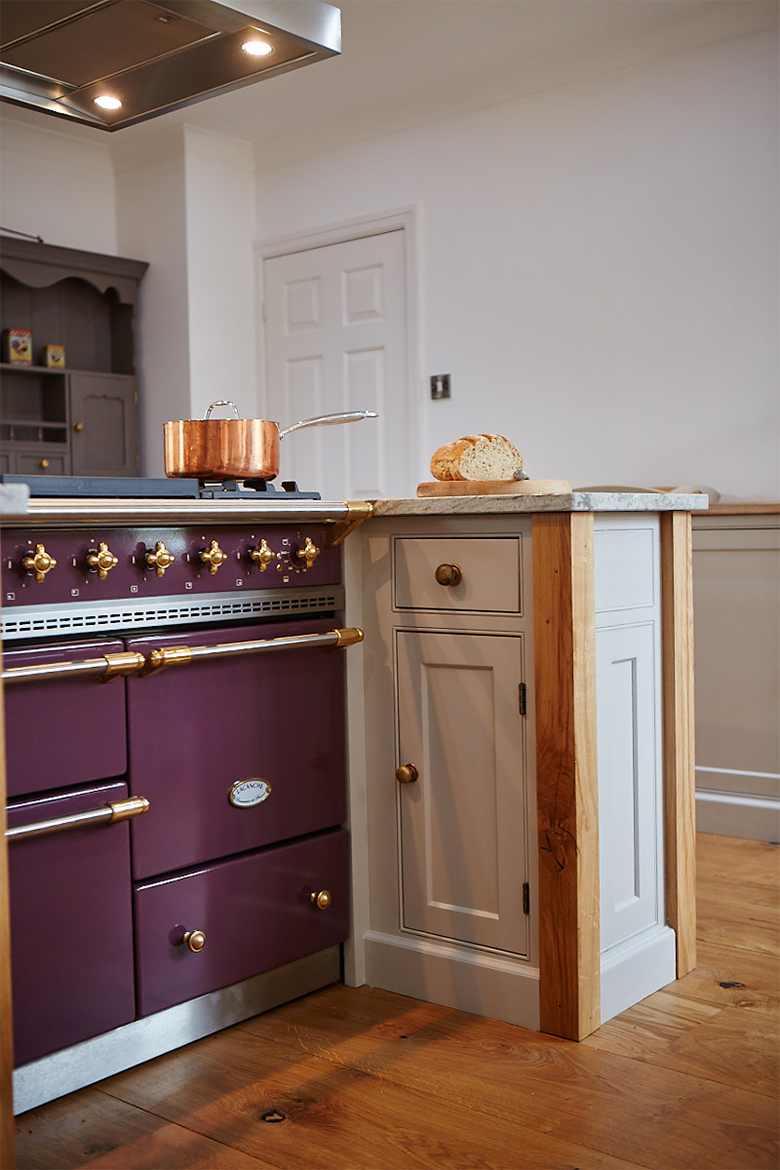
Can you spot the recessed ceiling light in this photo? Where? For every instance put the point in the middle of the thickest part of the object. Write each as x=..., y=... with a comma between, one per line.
x=257, y=48
x=108, y=103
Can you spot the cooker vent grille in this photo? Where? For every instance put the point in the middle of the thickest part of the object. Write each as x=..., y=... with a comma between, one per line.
x=112, y=617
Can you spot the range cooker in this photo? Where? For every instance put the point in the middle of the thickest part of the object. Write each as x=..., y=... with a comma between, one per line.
x=175, y=733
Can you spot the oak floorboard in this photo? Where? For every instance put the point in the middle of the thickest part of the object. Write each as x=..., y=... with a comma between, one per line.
x=89, y=1128
x=728, y=976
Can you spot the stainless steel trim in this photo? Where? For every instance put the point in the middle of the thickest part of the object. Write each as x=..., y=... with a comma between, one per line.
x=120, y=810
x=98, y=513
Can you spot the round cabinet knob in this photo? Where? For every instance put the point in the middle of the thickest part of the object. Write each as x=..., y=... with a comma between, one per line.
x=39, y=563
x=78, y=427
x=160, y=559
x=308, y=552
x=195, y=940
x=449, y=575
x=406, y=774
x=262, y=555
x=101, y=560
x=213, y=556
x=321, y=900
x=44, y=464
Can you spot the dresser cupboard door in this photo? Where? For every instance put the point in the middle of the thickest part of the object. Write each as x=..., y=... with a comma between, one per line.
x=463, y=821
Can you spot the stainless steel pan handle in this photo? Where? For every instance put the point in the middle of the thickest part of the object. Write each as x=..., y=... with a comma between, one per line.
x=180, y=655
x=327, y=420
x=108, y=666
x=118, y=810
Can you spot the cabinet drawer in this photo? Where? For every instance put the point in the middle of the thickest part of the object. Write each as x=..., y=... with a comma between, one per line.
x=487, y=577
x=255, y=911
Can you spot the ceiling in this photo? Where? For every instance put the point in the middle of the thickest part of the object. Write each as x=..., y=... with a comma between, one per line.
x=394, y=49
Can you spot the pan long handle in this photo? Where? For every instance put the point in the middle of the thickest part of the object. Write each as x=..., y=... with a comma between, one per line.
x=327, y=420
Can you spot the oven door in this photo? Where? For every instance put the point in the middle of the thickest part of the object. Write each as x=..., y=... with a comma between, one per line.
x=235, y=752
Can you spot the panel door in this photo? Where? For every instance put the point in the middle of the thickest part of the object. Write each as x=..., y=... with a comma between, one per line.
x=104, y=424
x=336, y=340
x=463, y=823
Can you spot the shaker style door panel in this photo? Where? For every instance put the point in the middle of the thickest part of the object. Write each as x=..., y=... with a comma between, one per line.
x=275, y=720
x=254, y=913
x=104, y=424
x=71, y=954
x=464, y=831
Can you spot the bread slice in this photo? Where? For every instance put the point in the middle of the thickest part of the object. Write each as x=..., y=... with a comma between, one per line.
x=477, y=457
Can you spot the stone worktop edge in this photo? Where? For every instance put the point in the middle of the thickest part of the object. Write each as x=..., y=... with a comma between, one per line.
x=563, y=502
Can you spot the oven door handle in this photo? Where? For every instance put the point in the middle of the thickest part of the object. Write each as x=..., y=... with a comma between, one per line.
x=108, y=666
x=181, y=655
x=117, y=810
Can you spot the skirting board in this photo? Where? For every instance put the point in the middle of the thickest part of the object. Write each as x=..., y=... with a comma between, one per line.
x=73, y=1068
x=634, y=969
x=483, y=984
x=733, y=814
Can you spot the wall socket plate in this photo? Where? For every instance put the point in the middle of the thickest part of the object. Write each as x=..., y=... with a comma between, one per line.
x=440, y=386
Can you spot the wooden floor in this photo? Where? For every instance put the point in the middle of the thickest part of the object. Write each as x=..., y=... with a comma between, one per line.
x=364, y=1079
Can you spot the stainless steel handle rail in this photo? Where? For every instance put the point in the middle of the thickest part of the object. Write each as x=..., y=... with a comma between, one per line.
x=118, y=810
x=180, y=655
x=108, y=665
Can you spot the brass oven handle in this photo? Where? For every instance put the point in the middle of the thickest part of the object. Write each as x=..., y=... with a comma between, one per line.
x=321, y=899
x=118, y=810
x=179, y=655
x=109, y=666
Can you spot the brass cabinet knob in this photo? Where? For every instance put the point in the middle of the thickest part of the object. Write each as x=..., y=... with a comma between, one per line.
x=308, y=552
x=101, y=560
x=78, y=427
x=195, y=940
x=44, y=464
x=406, y=774
x=262, y=555
x=321, y=900
x=160, y=559
x=39, y=562
x=213, y=556
x=449, y=574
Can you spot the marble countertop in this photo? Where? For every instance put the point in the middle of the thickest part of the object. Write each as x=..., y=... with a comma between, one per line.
x=563, y=502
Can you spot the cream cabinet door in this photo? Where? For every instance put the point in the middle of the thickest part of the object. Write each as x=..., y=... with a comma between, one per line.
x=463, y=821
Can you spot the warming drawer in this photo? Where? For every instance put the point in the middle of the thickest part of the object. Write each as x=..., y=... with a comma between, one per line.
x=71, y=923
x=208, y=928
x=235, y=752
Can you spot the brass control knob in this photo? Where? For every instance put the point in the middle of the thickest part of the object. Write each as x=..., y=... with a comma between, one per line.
x=308, y=552
x=101, y=560
x=160, y=559
x=39, y=562
x=449, y=574
x=195, y=940
x=407, y=774
x=262, y=555
x=213, y=556
x=321, y=900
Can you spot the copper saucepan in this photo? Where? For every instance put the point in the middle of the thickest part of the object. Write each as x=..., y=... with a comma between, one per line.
x=234, y=448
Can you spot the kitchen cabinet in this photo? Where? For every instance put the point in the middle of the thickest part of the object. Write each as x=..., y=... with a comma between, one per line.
x=83, y=419
x=525, y=765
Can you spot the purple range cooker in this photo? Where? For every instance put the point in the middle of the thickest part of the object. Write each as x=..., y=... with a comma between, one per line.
x=175, y=731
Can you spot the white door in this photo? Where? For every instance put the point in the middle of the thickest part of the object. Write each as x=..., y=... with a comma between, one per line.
x=335, y=330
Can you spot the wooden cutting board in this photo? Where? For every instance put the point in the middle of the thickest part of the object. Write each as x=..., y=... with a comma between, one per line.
x=494, y=487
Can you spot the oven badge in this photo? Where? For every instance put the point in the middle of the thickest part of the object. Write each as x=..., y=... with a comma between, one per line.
x=246, y=793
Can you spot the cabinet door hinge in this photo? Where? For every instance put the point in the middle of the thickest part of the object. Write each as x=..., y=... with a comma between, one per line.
x=526, y=898
x=521, y=698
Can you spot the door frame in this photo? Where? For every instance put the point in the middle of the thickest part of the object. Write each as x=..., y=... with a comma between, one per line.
x=403, y=219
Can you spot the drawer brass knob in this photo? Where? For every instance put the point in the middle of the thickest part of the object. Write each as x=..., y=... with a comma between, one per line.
x=407, y=774
x=262, y=555
x=160, y=559
x=449, y=574
x=44, y=464
x=321, y=900
x=39, y=562
x=213, y=556
x=101, y=560
x=308, y=553
x=195, y=940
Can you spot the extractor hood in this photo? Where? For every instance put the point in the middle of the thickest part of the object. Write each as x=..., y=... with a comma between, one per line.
x=77, y=59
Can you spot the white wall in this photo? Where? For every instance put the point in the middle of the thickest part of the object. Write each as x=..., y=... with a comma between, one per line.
x=598, y=265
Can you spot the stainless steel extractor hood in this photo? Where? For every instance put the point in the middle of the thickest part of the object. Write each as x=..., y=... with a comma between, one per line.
x=152, y=56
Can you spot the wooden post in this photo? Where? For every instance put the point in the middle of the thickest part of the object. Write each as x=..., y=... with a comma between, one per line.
x=7, y=1158
x=566, y=770
x=679, y=745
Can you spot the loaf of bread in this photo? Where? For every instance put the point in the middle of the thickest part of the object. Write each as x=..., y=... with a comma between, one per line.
x=477, y=457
